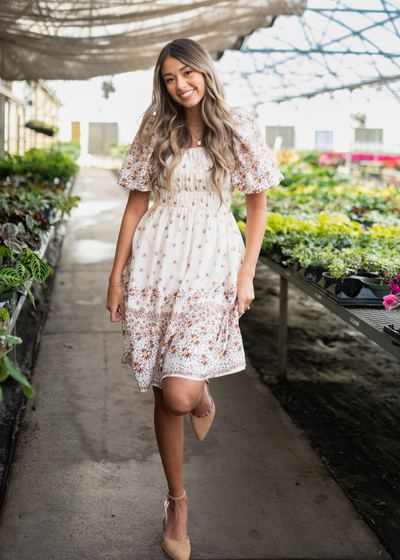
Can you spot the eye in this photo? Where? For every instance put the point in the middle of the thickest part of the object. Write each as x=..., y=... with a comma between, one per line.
x=189, y=72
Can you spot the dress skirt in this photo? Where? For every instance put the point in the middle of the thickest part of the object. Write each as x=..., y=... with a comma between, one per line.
x=180, y=291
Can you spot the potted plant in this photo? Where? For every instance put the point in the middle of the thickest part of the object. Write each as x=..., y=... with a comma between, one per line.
x=21, y=268
x=6, y=365
x=39, y=126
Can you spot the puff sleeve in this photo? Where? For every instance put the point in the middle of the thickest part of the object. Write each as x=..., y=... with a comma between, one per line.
x=138, y=165
x=257, y=171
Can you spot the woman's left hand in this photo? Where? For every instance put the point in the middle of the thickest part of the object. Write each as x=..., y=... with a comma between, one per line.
x=245, y=290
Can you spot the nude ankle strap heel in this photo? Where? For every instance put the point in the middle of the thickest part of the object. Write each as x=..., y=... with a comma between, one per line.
x=178, y=550
x=202, y=425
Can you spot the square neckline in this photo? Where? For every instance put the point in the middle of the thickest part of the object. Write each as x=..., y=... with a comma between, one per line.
x=193, y=148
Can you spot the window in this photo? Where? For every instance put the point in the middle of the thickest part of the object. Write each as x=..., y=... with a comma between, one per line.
x=100, y=136
x=323, y=140
x=369, y=139
x=285, y=132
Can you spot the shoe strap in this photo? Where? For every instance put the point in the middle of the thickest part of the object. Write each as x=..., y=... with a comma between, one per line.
x=180, y=497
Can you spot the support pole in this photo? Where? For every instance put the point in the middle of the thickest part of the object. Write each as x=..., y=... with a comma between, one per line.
x=282, y=341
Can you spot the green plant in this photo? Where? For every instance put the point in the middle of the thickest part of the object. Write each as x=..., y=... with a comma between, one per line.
x=35, y=124
x=6, y=365
x=117, y=150
x=21, y=269
x=70, y=149
x=14, y=237
x=39, y=166
x=310, y=156
x=17, y=203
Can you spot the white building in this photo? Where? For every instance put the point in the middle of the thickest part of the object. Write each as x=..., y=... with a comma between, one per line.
x=359, y=121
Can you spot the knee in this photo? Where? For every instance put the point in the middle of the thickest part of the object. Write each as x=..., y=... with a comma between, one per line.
x=177, y=404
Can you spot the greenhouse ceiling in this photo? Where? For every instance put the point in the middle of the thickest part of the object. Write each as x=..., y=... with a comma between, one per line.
x=333, y=45
x=53, y=39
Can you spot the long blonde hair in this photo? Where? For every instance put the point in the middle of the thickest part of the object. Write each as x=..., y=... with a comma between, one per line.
x=166, y=117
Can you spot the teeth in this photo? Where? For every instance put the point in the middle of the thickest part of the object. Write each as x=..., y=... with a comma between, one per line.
x=186, y=94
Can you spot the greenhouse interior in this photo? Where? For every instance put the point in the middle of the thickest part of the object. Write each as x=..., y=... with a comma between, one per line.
x=314, y=413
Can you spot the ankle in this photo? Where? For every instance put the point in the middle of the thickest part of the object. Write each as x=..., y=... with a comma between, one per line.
x=176, y=494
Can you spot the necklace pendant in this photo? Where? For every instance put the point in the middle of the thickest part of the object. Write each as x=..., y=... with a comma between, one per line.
x=199, y=142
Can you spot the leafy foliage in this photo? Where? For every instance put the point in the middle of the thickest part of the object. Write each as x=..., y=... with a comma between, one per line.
x=317, y=219
x=20, y=269
x=38, y=166
x=6, y=365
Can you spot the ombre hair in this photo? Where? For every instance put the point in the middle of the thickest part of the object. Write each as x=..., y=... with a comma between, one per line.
x=166, y=117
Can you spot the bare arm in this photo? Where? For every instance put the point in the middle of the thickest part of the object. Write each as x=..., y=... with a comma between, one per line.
x=137, y=205
x=256, y=205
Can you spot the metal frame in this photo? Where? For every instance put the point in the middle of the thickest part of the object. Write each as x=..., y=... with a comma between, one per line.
x=365, y=320
x=325, y=36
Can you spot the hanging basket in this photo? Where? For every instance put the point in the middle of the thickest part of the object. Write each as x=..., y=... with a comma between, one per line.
x=42, y=128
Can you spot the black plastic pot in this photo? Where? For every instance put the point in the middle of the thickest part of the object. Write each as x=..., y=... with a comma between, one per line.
x=363, y=274
x=316, y=271
x=329, y=280
x=350, y=286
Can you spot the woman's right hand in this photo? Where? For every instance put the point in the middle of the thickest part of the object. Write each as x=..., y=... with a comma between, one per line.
x=115, y=304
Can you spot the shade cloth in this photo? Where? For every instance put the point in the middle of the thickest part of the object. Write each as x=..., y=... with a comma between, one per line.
x=87, y=38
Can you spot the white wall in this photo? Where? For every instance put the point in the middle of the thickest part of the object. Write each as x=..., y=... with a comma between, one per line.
x=83, y=102
x=333, y=112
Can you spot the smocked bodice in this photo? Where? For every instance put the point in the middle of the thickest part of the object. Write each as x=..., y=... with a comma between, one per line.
x=193, y=172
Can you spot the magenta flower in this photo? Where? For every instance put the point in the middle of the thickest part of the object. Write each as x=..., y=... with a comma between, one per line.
x=388, y=300
x=395, y=287
x=398, y=278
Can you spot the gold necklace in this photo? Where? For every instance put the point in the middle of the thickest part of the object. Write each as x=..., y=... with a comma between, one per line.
x=198, y=139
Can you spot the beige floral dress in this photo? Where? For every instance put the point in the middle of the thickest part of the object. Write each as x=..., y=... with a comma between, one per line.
x=180, y=283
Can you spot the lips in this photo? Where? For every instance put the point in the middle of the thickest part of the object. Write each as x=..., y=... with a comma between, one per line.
x=187, y=94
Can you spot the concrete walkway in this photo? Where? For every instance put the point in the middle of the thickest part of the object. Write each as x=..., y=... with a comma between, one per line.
x=87, y=481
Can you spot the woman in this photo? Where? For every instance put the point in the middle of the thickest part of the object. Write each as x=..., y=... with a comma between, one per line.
x=182, y=276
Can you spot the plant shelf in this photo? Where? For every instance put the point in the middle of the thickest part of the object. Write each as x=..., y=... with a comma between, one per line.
x=367, y=320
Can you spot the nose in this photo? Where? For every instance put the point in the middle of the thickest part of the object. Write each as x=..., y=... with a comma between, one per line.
x=181, y=84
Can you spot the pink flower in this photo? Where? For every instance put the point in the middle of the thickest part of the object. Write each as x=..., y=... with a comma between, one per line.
x=388, y=300
x=324, y=159
x=395, y=289
x=398, y=278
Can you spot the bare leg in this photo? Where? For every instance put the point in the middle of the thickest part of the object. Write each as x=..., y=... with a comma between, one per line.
x=177, y=397
x=204, y=407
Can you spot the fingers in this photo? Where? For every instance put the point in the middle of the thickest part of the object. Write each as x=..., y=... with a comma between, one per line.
x=244, y=304
x=115, y=314
x=116, y=308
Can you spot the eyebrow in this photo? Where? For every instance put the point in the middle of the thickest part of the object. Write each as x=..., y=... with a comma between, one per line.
x=180, y=70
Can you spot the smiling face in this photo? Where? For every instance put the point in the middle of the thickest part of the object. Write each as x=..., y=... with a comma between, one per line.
x=184, y=84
